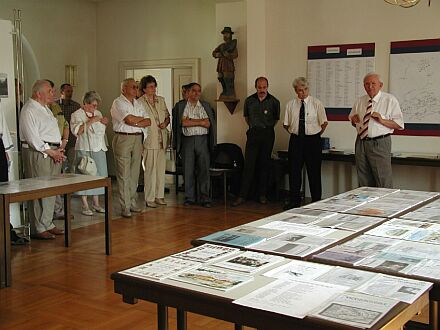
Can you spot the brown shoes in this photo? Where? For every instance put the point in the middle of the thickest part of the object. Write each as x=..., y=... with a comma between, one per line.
x=45, y=235
x=56, y=231
x=151, y=204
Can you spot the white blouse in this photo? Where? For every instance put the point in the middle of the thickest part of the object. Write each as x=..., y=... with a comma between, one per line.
x=94, y=138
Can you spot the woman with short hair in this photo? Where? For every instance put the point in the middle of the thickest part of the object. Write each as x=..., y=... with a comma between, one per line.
x=88, y=125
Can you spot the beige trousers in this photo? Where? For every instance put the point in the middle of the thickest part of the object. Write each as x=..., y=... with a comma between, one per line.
x=127, y=150
x=40, y=210
x=154, y=174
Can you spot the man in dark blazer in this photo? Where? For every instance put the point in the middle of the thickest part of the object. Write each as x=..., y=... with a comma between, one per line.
x=195, y=139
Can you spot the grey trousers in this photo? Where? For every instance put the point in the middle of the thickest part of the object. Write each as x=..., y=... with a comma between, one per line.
x=40, y=210
x=127, y=150
x=196, y=162
x=373, y=162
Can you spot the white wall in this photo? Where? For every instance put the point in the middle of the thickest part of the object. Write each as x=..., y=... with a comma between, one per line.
x=294, y=25
x=60, y=32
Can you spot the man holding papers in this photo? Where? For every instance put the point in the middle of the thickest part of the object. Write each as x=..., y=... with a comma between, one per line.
x=375, y=116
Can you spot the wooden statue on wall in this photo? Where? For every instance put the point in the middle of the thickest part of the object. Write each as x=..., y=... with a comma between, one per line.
x=226, y=53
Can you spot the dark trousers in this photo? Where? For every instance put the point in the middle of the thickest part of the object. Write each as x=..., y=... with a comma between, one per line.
x=258, y=152
x=196, y=161
x=306, y=150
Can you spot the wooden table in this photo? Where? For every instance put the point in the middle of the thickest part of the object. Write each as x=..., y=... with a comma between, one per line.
x=195, y=299
x=36, y=188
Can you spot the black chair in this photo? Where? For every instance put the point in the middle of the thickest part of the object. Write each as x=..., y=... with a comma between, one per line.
x=227, y=161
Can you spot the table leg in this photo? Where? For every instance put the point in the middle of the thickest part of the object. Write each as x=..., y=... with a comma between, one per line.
x=108, y=217
x=3, y=224
x=5, y=249
x=67, y=221
x=181, y=319
x=224, y=187
x=162, y=317
x=433, y=314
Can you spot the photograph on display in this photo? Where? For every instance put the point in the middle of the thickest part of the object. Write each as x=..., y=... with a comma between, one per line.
x=3, y=85
x=212, y=278
x=249, y=262
x=206, y=252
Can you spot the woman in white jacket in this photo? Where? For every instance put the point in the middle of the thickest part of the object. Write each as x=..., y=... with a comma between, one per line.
x=88, y=125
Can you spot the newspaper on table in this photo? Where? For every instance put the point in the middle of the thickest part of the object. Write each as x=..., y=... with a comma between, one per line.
x=293, y=298
x=350, y=222
x=409, y=230
x=249, y=262
x=294, y=244
x=385, y=207
x=357, y=249
x=374, y=191
x=265, y=233
x=298, y=228
x=232, y=238
x=318, y=214
x=427, y=268
x=415, y=196
x=206, y=252
x=343, y=202
x=212, y=278
x=345, y=276
x=389, y=261
x=355, y=309
x=425, y=214
x=416, y=250
x=160, y=269
x=402, y=289
x=297, y=269
x=299, y=219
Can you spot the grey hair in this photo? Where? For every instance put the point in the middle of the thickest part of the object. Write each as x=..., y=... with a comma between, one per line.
x=300, y=81
x=91, y=96
x=39, y=85
x=373, y=74
x=125, y=82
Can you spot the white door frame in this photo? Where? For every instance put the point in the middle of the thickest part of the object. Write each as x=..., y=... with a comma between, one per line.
x=177, y=63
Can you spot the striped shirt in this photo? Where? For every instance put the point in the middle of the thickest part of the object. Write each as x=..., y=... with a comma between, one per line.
x=194, y=112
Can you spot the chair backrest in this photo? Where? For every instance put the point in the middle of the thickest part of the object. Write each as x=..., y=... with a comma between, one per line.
x=227, y=155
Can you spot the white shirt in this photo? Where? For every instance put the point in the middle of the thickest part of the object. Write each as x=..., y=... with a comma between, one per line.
x=383, y=103
x=4, y=132
x=315, y=115
x=121, y=108
x=194, y=112
x=38, y=126
x=94, y=138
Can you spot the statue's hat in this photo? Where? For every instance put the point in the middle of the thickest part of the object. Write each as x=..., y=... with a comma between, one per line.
x=227, y=29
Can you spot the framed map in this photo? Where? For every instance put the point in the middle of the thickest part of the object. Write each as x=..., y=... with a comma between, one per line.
x=415, y=81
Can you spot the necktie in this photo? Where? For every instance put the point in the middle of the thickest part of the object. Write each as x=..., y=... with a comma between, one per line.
x=302, y=120
x=364, y=131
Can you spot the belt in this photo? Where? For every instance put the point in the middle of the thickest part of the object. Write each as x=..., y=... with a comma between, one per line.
x=123, y=133
x=376, y=137
x=26, y=145
x=51, y=144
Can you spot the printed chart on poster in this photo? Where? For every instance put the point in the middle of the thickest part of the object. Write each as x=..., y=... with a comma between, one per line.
x=415, y=81
x=336, y=73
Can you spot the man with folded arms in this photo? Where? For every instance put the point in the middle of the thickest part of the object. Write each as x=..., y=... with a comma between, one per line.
x=129, y=119
x=42, y=155
x=375, y=116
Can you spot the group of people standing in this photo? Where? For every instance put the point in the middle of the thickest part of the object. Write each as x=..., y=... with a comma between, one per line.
x=374, y=115
x=141, y=121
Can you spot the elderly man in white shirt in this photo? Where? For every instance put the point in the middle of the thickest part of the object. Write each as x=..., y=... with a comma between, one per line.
x=375, y=116
x=42, y=155
x=305, y=120
x=129, y=118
